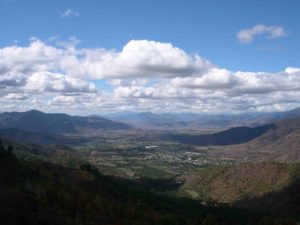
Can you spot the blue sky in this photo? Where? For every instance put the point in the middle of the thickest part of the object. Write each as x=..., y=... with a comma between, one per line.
x=206, y=28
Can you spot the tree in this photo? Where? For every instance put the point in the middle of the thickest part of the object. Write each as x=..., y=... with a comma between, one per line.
x=209, y=220
x=9, y=149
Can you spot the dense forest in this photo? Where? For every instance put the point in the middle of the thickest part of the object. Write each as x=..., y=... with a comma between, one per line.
x=39, y=192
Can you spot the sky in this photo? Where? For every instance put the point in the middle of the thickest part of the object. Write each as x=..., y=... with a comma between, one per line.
x=84, y=57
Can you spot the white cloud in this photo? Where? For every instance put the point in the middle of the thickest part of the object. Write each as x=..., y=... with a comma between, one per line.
x=215, y=78
x=271, y=32
x=138, y=58
x=69, y=13
x=16, y=96
x=143, y=75
x=143, y=58
x=62, y=100
x=55, y=82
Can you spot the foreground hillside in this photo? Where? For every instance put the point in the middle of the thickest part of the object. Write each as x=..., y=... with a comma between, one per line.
x=235, y=182
x=264, y=187
x=36, y=192
x=282, y=202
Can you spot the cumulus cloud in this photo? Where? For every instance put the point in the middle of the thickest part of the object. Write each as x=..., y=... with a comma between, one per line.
x=215, y=78
x=143, y=75
x=55, y=82
x=226, y=82
x=271, y=32
x=69, y=13
x=221, y=89
x=138, y=58
x=16, y=96
x=17, y=63
x=143, y=58
x=62, y=100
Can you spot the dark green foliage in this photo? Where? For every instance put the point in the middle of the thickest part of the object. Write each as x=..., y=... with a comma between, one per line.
x=268, y=220
x=42, y=193
x=281, y=203
x=90, y=168
x=6, y=153
x=209, y=220
x=37, y=192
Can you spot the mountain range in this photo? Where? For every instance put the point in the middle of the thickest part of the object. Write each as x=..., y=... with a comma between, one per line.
x=195, y=121
x=59, y=123
x=259, y=129
x=36, y=121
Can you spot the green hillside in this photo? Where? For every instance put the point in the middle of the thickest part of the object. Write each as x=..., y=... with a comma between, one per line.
x=234, y=182
x=37, y=192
